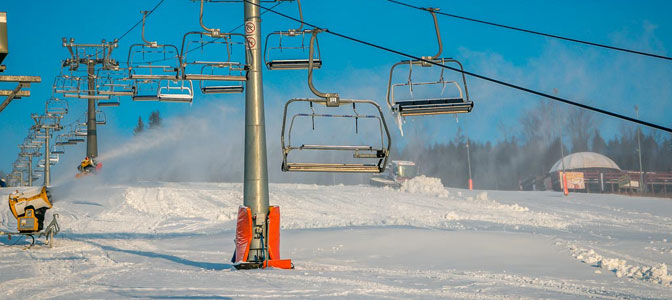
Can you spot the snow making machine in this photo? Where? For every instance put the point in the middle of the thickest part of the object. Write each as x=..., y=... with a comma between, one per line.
x=433, y=97
x=29, y=207
x=398, y=172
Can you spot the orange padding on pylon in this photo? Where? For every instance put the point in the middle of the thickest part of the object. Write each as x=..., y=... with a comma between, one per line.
x=274, y=232
x=279, y=263
x=243, y=233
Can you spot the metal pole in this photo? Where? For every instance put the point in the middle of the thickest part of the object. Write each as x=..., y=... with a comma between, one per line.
x=91, y=132
x=642, y=187
x=47, y=159
x=30, y=170
x=471, y=183
x=255, y=185
x=562, y=180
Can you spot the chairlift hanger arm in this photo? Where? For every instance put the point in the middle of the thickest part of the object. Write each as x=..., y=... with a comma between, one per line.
x=331, y=99
x=438, y=32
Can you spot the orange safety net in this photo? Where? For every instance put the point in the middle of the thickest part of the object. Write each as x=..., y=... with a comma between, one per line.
x=243, y=233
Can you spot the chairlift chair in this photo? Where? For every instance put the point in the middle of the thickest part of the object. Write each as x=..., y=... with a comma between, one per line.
x=75, y=140
x=176, y=91
x=101, y=118
x=56, y=106
x=65, y=83
x=83, y=91
x=145, y=90
x=434, y=105
x=58, y=148
x=80, y=130
x=115, y=84
x=152, y=60
x=215, y=74
x=332, y=100
x=61, y=140
x=278, y=58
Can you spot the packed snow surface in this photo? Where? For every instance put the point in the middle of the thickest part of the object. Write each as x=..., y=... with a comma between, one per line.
x=155, y=240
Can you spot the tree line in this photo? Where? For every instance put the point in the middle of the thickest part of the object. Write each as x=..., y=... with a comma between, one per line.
x=154, y=122
x=533, y=151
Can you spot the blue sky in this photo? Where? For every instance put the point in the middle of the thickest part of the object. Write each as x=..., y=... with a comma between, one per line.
x=604, y=78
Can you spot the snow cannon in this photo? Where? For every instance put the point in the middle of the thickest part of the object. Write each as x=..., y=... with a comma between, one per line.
x=88, y=167
x=249, y=228
x=29, y=208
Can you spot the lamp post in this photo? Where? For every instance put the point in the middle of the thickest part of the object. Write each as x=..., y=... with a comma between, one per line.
x=639, y=151
x=565, y=190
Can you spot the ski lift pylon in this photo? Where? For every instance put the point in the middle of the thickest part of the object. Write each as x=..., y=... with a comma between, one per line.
x=441, y=104
x=293, y=35
x=379, y=154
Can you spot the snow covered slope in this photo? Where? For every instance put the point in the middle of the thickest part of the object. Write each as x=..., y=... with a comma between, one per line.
x=154, y=240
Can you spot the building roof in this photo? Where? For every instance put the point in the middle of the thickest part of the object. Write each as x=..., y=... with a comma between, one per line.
x=585, y=160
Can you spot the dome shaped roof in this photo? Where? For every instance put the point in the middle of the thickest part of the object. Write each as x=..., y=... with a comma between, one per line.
x=584, y=160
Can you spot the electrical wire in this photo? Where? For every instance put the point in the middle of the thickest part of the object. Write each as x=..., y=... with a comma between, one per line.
x=500, y=82
x=139, y=22
x=210, y=42
x=537, y=32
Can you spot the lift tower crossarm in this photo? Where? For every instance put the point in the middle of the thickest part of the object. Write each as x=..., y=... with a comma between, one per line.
x=16, y=93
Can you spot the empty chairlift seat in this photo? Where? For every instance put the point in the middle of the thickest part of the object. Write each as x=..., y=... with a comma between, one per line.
x=152, y=60
x=442, y=96
x=374, y=154
x=211, y=58
x=176, y=91
x=439, y=103
x=289, y=48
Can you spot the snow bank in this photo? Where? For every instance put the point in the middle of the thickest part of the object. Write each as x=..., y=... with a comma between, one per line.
x=425, y=185
x=621, y=268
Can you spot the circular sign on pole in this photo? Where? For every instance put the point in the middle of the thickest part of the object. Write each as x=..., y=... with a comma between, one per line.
x=250, y=27
x=251, y=42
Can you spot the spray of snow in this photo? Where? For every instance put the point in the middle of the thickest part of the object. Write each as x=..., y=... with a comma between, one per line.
x=621, y=268
x=425, y=185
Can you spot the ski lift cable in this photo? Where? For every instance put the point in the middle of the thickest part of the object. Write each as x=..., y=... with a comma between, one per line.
x=500, y=82
x=210, y=42
x=538, y=33
x=140, y=21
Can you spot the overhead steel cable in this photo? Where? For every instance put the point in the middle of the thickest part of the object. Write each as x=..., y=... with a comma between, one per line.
x=538, y=33
x=210, y=42
x=584, y=106
x=140, y=22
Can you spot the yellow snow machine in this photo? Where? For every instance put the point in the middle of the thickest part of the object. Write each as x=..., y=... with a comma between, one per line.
x=29, y=207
